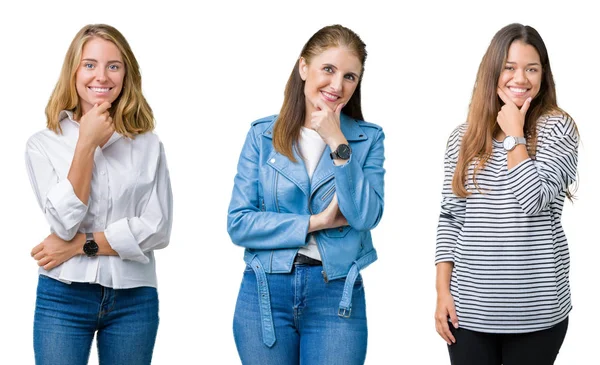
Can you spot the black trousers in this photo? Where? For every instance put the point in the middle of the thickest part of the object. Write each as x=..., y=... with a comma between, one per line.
x=534, y=348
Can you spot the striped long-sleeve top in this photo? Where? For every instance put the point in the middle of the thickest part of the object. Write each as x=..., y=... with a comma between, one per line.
x=510, y=254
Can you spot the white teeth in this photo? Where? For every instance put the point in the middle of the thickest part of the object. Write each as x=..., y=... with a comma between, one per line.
x=100, y=89
x=329, y=96
x=517, y=90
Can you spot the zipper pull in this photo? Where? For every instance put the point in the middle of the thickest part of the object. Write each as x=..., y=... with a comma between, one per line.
x=324, y=276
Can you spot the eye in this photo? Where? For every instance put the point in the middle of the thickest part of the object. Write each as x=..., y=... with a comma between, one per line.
x=350, y=77
x=532, y=70
x=509, y=68
x=113, y=67
x=88, y=65
x=328, y=69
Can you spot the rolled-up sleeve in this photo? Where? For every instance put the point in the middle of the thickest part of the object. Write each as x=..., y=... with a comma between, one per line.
x=62, y=208
x=132, y=237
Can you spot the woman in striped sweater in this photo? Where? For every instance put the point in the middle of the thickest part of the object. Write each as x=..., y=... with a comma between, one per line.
x=502, y=257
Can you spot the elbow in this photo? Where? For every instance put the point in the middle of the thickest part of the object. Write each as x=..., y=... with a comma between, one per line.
x=533, y=207
x=367, y=221
x=65, y=234
x=532, y=210
x=234, y=228
x=162, y=243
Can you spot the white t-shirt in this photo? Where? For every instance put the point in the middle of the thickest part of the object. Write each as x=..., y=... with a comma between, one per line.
x=311, y=147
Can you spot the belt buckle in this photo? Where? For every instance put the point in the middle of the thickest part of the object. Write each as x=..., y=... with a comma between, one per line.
x=344, y=313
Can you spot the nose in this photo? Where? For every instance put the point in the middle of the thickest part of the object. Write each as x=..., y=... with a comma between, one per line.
x=520, y=76
x=337, y=82
x=100, y=74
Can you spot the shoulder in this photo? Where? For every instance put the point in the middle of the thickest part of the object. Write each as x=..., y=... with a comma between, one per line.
x=41, y=138
x=148, y=141
x=368, y=125
x=455, y=137
x=261, y=125
x=357, y=129
x=557, y=124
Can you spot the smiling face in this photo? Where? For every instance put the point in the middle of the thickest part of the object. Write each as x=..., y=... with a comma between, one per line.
x=521, y=77
x=331, y=76
x=100, y=74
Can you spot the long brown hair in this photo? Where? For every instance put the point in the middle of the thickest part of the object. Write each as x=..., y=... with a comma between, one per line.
x=293, y=111
x=130, y=111
x=482, y=126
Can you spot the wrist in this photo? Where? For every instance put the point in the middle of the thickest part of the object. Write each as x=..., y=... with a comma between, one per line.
x=77, y=247
x=335, y=141
x=442, y=292
x=84, y=146
x=515, y=133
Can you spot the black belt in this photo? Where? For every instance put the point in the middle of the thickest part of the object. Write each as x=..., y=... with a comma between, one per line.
x=305, y=260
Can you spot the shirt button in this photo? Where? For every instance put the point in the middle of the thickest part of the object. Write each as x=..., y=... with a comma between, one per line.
x=102, y=172
x=272, y=160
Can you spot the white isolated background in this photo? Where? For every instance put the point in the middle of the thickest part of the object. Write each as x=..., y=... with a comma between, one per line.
x=211, y=68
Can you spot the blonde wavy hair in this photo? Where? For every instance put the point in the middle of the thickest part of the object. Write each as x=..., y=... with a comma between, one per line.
x=130, y=111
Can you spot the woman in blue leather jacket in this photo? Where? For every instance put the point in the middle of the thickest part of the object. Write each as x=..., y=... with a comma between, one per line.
x=308, y=190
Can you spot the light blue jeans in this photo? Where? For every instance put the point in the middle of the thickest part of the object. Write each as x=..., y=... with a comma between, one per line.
x=68, y=315
x=308, y=329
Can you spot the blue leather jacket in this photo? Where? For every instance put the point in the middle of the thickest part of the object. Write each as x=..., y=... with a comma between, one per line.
x=273, y=199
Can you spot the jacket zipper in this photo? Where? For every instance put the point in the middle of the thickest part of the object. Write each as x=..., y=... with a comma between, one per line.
x=275, y=191
x=329, y=192
x=324, y=273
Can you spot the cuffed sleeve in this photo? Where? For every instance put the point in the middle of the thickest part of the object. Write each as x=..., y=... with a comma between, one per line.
x=62, y=208
x=247, y=224
x=360, y=188
x=132, y=237
x=453, y=208
x=537, y=183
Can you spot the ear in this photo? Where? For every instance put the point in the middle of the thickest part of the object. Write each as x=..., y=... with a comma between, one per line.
x=303, y=68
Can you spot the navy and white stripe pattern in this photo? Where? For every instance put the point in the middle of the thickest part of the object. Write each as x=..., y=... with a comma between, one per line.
x=510, y=254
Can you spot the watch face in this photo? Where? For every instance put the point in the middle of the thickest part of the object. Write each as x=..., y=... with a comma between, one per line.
x=509, y=143
x=344, y=151
x=90, y=248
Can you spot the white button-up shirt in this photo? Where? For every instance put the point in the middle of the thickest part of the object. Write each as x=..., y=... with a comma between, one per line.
x=130, y=201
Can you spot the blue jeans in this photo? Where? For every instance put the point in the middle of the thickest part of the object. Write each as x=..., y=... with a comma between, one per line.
x=305, y=315
x=68, y=315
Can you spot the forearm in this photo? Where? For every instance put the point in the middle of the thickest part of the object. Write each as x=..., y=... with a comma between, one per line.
x=267, y=230
x=516, y=156
x=80, y=173
x=104, y=248
x=443, y=276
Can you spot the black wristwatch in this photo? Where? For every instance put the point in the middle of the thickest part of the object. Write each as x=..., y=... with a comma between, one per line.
x=342, y=152
x=90, y=247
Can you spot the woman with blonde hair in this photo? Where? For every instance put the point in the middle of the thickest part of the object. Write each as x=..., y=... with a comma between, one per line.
x=308, y=191
x=101, y=178
x=502, y=256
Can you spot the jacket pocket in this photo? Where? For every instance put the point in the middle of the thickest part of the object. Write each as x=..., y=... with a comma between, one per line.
x=337, y=232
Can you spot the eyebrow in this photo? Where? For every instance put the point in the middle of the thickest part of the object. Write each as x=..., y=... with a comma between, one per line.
x=93, y=60
x=333, y=66
x=529, y=64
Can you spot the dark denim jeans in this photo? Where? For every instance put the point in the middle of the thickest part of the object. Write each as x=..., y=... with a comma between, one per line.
x=308, y=329
x=68, y=315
